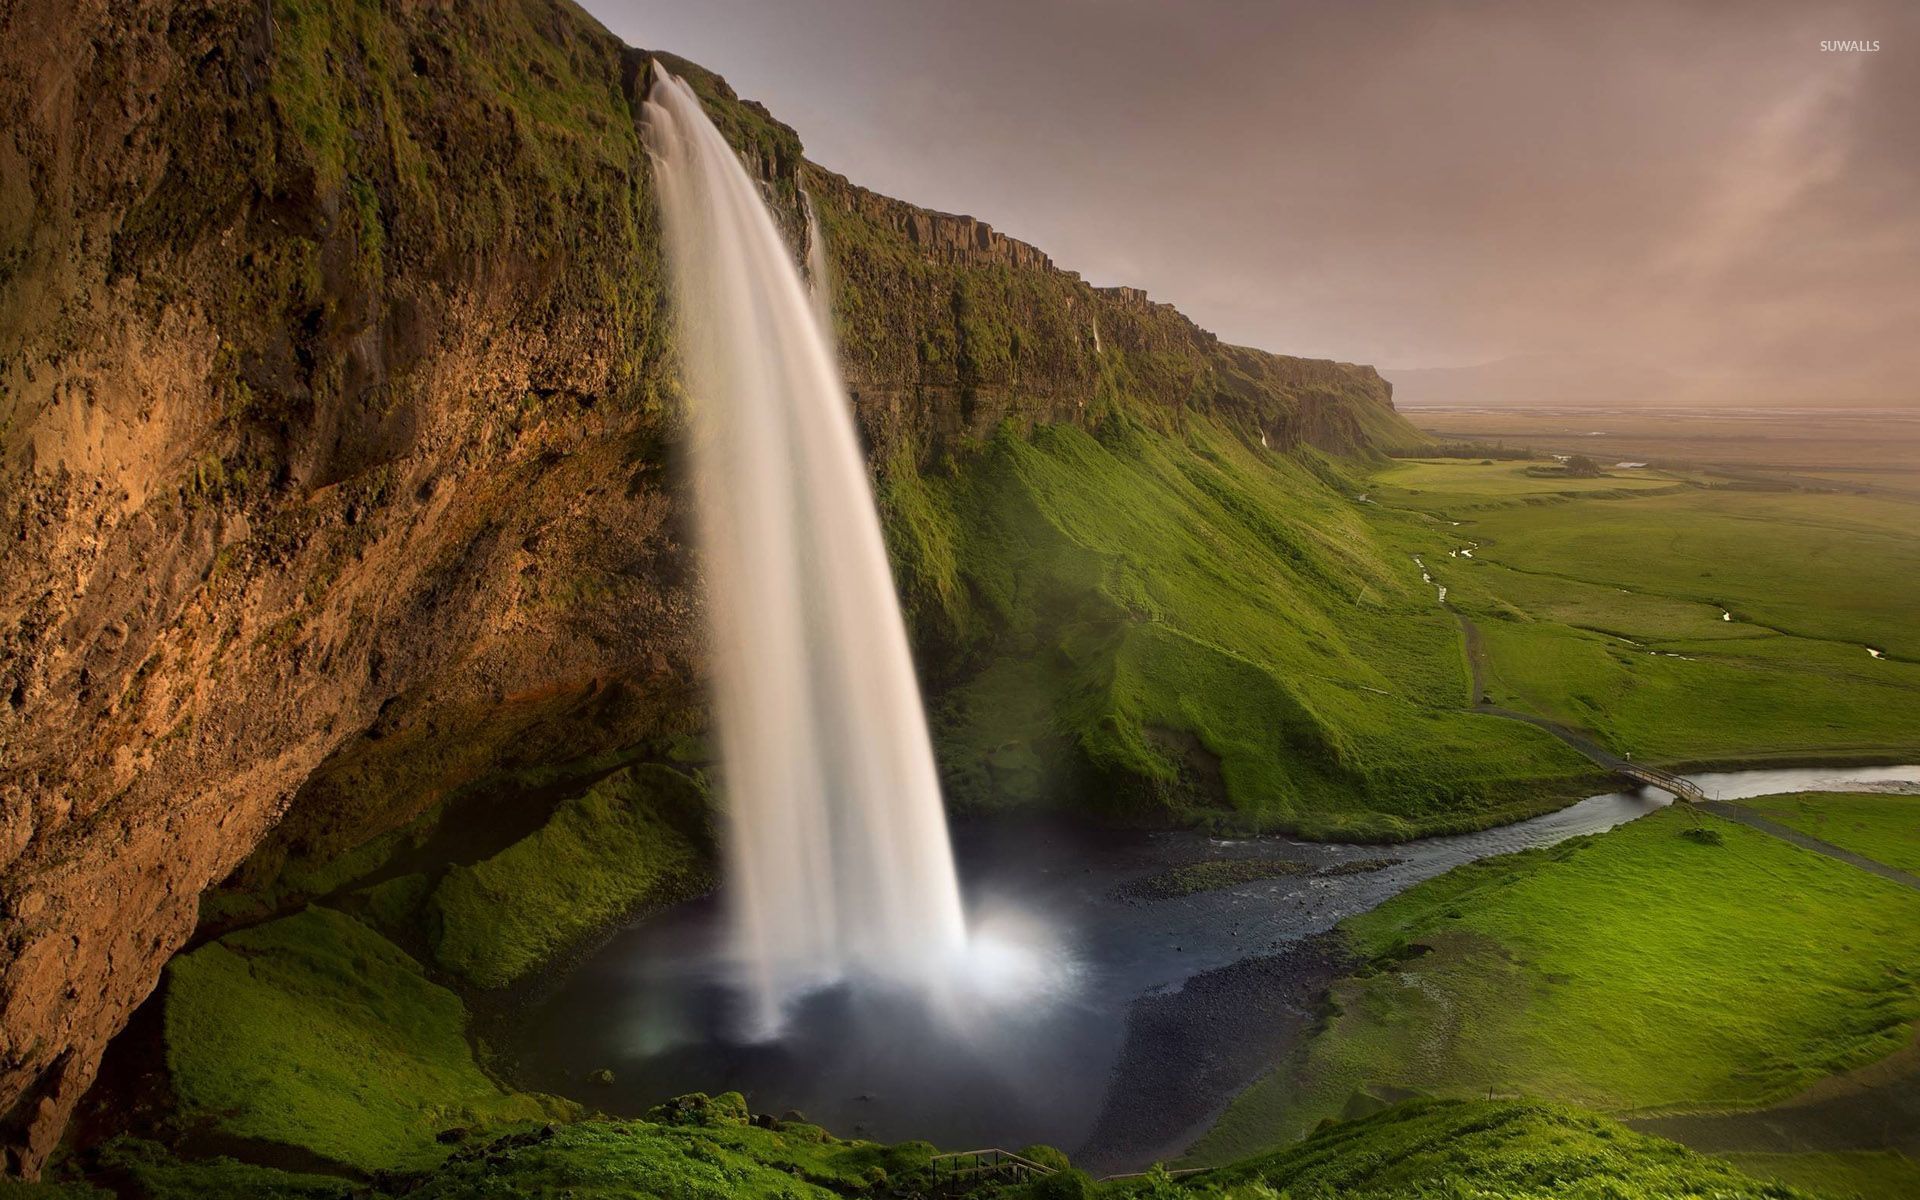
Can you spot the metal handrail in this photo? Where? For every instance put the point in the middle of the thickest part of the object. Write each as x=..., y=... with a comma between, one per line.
x=988, y=1161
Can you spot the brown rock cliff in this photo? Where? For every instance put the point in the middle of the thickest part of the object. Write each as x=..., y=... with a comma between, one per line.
x=335, y=409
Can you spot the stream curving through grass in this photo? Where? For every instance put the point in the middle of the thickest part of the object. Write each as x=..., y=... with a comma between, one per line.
x=1146, y=978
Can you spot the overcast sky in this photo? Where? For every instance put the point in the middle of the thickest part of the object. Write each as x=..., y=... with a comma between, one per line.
x=1420, y=183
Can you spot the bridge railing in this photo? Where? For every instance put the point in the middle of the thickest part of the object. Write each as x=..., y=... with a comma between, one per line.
x=1666, y=781
x=962, y=1170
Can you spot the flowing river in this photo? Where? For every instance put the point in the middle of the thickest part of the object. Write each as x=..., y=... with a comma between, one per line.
x=1089, y=961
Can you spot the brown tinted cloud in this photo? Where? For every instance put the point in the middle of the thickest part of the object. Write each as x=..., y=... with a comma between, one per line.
x=1696, y=187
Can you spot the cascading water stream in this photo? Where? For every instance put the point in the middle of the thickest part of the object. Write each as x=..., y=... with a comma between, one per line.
x=837, y=842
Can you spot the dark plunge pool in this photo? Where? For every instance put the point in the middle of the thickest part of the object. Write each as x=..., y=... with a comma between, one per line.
x=1128, y=1022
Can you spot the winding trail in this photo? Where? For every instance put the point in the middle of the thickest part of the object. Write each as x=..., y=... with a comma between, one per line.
x=1477, y=668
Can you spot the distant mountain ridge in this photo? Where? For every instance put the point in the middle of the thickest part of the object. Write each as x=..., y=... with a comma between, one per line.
x=1586, y=380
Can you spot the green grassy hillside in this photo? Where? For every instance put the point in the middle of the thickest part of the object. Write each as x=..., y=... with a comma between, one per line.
x=1677, y=963
x=1486, y=1150
x=1152, y=624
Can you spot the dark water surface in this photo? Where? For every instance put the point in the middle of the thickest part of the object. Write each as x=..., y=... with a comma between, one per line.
x=1037, y=1062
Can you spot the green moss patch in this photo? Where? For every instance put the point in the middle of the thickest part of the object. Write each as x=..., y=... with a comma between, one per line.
x=695, y=1148
x=639, y=838
x=692, y=1148
x=314, y=1031
x=154, y=1173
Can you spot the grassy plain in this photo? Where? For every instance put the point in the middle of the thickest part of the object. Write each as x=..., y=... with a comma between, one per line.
x=1642, y=969
x=1842, y=1175
x=1882, y=827
x=1675, y=621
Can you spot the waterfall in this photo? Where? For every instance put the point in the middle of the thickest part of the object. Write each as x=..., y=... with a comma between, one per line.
x=819, y=282
x=838, y=857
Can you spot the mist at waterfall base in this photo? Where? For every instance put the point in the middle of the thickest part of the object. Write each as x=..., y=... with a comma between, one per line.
x=839, y=867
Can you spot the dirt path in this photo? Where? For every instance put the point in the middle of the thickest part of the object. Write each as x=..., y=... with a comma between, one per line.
x=1476, y=657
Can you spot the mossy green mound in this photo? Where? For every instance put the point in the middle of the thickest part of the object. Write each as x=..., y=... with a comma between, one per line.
x=149, y=1170
x=316, y=1032
x=1427, y=1149
x=639, y=838
x=693, y=1148
x=1638, y=969
x=696, y=1148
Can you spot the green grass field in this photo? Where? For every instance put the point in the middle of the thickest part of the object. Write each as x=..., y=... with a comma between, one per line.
x=1882, y=827
x=1678, y=622
x=1638, y=970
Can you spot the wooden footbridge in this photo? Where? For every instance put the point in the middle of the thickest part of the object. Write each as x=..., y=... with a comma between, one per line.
x=1666, y=781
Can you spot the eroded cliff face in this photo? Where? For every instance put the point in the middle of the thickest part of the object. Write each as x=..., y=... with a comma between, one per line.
x=949, y=328
x=336, y=411
x=333, y=423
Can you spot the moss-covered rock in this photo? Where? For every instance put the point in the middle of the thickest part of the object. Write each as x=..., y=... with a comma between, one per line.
x=316, y=1032
x=640, y=838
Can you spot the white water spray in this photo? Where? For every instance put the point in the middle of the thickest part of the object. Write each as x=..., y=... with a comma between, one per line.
x=837, y=843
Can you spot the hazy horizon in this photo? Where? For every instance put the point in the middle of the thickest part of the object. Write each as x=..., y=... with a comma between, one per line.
x=1699, y=188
